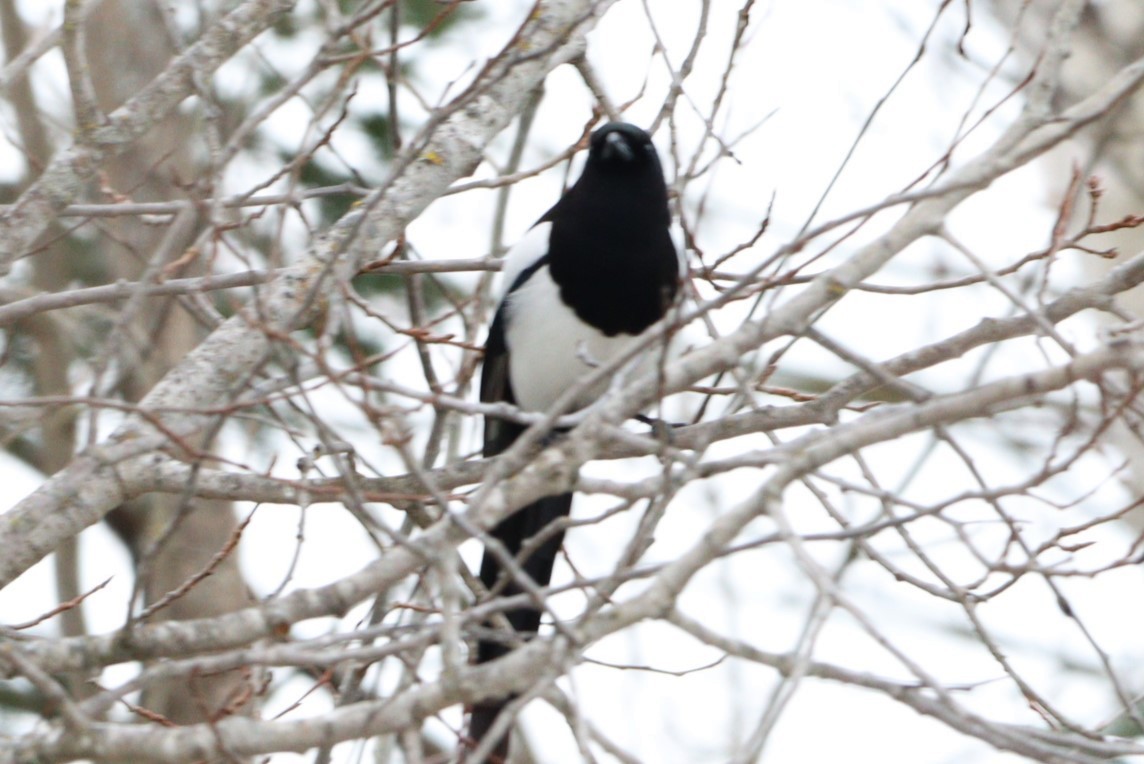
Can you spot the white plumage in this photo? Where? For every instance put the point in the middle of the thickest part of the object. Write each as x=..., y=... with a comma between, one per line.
x=550, y=348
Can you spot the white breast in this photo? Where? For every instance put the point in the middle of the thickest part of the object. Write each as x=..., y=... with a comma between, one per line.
x=549, y=347
x=530, y=248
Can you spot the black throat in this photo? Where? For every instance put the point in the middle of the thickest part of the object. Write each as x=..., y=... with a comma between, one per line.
x=610, y=250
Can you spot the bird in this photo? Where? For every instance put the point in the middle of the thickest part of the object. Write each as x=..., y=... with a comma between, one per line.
x=586, y=281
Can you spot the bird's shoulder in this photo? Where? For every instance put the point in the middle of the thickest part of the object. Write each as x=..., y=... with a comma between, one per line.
x=525, y=257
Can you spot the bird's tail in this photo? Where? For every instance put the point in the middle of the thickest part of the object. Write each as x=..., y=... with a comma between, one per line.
x=514, y=532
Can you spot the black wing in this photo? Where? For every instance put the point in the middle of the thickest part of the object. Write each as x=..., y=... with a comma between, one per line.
x=496, y=387
x=515, y=530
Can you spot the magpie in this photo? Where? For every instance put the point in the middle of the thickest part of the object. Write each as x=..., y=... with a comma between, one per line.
x=588, y=278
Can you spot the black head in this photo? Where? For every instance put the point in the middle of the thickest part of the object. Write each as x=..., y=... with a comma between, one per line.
x=622, y=174
x=622, y=147
x=610, y=248
x=621, y=177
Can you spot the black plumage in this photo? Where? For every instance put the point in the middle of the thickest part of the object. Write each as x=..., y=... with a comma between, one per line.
x=593, y=273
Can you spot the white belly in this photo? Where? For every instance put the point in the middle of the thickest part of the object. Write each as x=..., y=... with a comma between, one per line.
x=549, y=348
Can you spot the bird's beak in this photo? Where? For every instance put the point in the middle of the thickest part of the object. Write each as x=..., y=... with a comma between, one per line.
x=616, y=147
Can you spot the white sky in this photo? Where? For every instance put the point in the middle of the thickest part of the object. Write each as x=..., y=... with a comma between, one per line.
x=817, y=67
